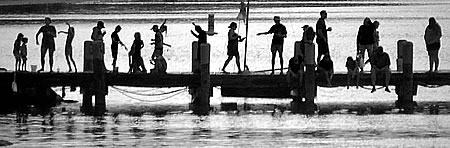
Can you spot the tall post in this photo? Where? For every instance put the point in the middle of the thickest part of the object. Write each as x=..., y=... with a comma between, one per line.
x=86, y=89
x=310, y=80
x=201, y=103
x=98, y=48
x=406, y=100
x=400, y=47
x=246, y=35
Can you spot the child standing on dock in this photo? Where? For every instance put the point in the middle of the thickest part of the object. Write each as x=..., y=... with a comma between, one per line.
x=16, y=51
x=137, y=62
x=352, y=70
x=68, y=49
x=23, y=53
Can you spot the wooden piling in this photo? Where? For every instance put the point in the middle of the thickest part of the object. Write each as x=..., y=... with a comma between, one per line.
x=200, y=94
x=99, y=76
x=86, y=89
x=406, y=87
x=310, y=80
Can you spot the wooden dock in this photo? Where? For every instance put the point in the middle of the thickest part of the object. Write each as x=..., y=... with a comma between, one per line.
x=235, y=85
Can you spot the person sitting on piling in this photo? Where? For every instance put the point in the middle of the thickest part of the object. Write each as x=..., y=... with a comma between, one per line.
x=232, y=47
x=16, y=50
x=24, y=53
x=326, y=67
x=352, y=70
x=380, y=62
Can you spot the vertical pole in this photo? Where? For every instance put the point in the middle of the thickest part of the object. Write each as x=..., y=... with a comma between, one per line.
x=407, y=99
x=201, y=104
x=246, y=35
x=86, y=106
x=297, y=101
x=400, y=47
x=99, y=76
x=310, y=80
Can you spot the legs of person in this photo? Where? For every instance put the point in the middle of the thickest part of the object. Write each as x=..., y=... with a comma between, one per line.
x=369, y=50
x=226, y=63
x=328, y=77
x=238, y=63
x=357, y=77
x=24, y=64
x=435, y=57
x=362, y=50
x=431, y=60
x=68, y=62
x=274, y=53
x=387, y=72
x=373, y=77
x=43, y=52
x=73, y=61
x=17, y=63
x=50, y=58
x=349, y=75
x=280, y=54
x=141, y=64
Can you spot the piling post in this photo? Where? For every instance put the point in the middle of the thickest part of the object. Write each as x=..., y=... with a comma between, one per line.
x=98, y=48
x=309, y=106
x=86, y=89
x=406, y=87
x=297, y=100
x=202, y=105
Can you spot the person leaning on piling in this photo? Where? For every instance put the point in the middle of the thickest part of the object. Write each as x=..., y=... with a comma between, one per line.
x=294, y=77
x=48, y=42
x=322, y=36
x=433, y=34
x=279, y=33
x=232, y=47
x=68, y=49
x=380, y=62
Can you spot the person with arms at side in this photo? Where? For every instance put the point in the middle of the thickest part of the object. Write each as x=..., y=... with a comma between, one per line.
x=138, y=62
x=16, y=51
x=279, y=33
x=433, y=34
x=322, y=36
x=48, y=42
x=380, y=62
x=352, y=70
x=68, y=49
x=232, y=47
x=24, y=53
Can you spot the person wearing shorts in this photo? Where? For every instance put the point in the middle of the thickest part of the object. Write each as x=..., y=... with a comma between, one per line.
x=433, y=34
x=279, y=33
x=48, y=42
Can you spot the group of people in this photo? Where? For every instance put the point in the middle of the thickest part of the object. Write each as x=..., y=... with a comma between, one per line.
x=48, y=44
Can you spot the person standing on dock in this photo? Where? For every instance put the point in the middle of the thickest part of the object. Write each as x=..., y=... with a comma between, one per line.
x=97, y=36
x=365, y=38
x=138, y=62
x=48, y=42
x=232, y=48
x=68, y=49
x=16, y=51
x=380, y=62
x=115, y=41
x=158, y=42
x=322, y=36
x=24, y=53
x=433, y=34
x=279, y=33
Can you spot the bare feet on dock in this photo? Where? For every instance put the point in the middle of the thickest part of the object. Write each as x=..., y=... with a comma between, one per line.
x=387, y=89
x=40, y=70
x=373, y=89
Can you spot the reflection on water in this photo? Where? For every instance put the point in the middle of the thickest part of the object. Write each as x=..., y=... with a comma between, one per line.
x=244, y=129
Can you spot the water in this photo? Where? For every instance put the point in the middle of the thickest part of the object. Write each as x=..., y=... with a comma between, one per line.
x=256, y=128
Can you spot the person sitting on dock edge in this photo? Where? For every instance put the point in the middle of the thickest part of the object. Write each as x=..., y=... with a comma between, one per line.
x=279, y=33
x=326, y=68
x=380, y=62
x=352, y=70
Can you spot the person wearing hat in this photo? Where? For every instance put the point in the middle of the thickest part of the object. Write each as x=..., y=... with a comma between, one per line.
x=279, y=33
x=158, y=41
x=97, y=34
x=202, y=38
x=322, y=36
x=232, y=48
x=48, y=42
x=308, y=37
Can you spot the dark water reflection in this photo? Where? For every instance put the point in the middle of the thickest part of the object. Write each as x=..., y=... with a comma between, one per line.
x=243, y=130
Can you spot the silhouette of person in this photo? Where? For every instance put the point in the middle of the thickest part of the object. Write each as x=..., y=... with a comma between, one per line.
x=279, y=33
x=232, y=47
x=294, y=77
x=433, y=34
x=48, y=42
x=16, y=51
x=97, y=36
x=202, y=38
x=380, y=62
x=24, y=53
x=160, y=65
x=352, y=70
x=322, y=36
x=376, y=34
x=138, y=62
x=365, y=38
x=115, y=41
x=326, y=67
x=68, y=49
x=308, y=37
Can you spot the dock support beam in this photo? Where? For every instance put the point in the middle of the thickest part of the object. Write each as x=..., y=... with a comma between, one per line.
x=405, y=89
x=93, y=62
x=200, y=67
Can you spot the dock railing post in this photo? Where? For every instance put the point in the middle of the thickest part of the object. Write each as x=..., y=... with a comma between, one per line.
x=309, y=107
x=406, y=87
x=86, y=89
x=99, y=76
